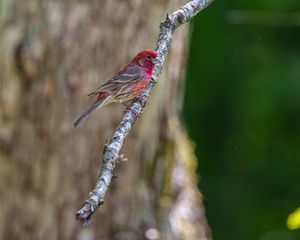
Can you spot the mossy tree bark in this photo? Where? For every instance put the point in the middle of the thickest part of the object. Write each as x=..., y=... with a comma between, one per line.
x=53, y=54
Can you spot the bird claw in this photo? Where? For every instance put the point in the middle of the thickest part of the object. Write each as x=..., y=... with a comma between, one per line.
x=141, y=98
x=131, y=109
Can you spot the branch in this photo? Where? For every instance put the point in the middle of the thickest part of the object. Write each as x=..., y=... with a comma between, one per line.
x=111, y=153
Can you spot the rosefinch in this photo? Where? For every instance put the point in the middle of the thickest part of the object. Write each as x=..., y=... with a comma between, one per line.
x=127, y=84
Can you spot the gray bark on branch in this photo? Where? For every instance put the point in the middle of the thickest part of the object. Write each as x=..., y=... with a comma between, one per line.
x=111, y=153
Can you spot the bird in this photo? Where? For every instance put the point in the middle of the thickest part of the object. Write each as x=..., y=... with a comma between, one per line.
x=128, y=83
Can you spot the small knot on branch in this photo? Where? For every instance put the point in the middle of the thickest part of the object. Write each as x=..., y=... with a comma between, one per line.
x=86, y=212
x=121, y=158
x=167, y=22
x=181, y=18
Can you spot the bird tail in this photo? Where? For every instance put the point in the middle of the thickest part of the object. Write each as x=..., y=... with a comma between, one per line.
x=93, y=107
x=92, y=94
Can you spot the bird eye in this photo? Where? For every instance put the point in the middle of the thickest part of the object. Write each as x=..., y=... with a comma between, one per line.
x=148, y=57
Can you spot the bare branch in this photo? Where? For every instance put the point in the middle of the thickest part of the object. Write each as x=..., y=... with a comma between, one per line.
x=111, y=153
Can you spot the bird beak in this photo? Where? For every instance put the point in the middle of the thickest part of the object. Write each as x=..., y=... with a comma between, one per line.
x=155, y=60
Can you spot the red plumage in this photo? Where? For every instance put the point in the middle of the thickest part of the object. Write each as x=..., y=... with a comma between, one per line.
x=126, y=84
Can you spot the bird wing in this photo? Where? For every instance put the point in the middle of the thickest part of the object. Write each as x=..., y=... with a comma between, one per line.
x=129, y=74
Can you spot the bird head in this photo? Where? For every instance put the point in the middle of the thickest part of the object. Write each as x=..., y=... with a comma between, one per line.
x=146, y=58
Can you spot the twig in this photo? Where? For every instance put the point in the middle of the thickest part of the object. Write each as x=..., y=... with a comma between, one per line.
x=111, y=153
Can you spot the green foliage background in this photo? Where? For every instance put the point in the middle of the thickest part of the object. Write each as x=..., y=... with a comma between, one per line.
x=242, y=108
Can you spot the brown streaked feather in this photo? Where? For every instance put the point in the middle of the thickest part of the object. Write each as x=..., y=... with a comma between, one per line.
x=132, y=74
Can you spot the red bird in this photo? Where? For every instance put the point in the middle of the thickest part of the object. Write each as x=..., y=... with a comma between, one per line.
x=126, y=85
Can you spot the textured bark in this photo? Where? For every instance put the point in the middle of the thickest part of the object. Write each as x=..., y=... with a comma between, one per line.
x=53, y=54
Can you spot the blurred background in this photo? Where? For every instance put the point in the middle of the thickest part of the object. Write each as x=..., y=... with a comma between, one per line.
x=242, y=109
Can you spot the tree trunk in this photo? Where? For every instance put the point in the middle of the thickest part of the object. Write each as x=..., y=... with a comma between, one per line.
x=52, y=54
